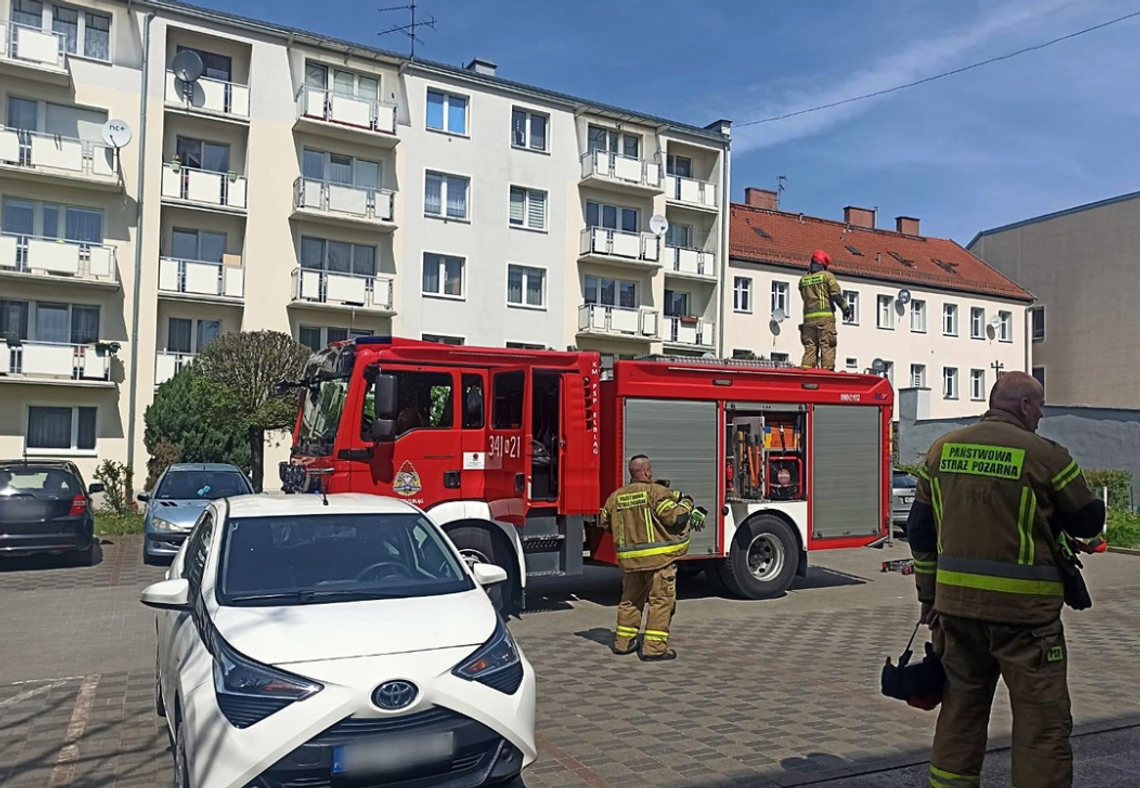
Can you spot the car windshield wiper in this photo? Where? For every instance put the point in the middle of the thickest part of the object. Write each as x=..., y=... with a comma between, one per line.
x=308, y=595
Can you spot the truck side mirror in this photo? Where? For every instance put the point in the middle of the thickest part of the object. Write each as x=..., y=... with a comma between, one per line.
x=385, y=392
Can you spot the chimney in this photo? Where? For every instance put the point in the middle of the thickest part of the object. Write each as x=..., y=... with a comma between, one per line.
x=859, y=217
x=481, y=66
x=761, y=198
x=907, y=225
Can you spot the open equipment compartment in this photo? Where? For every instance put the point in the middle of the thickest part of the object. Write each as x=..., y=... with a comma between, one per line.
x=765, y=452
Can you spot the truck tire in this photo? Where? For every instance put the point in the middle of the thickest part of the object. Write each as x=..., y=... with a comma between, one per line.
x=478, y=544
x=763, y=558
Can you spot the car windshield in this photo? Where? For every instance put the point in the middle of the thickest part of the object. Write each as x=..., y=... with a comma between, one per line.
x=201, y=486
x=905, y=480
x=42, y=484
x=326, y=558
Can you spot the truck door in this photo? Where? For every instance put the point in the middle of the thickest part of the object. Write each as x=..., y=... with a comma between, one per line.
x=507, y=477
x=474, y=437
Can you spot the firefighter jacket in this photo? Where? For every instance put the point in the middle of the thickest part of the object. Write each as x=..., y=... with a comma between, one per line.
x=991, y=553
x=650, y=525
x=817, y=289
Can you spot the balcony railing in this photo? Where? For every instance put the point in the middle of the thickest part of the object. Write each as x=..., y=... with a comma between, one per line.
x=621, y=169
x=378, y=205
x=199, y=277
x=203, y=187
x=690, y=191
x=209, y=95
x=168, y=363
x=603, y=242
x=34, y=45
x=616, y=320
x=691, y=262
x=359, y=113
x=342, y=289
x=57, y=361
x=682, y=331
x=57, y=155
x=59, y=259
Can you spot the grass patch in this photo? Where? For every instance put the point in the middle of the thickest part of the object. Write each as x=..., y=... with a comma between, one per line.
x=115, y=524
x=1123, y=528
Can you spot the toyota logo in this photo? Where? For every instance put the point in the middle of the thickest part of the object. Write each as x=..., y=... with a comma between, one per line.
x=395, y=695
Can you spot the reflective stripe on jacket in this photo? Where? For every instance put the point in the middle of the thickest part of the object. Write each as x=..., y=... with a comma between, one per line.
x=650, y=525
x=816, y=289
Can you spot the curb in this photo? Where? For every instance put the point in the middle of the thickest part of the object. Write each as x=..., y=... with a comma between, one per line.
x=1123, y=550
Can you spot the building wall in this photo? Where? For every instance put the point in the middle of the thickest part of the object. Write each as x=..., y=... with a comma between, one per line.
x=859, y=344
x=1079, y=265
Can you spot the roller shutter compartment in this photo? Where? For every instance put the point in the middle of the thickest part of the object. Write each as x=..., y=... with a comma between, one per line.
x=846, y=497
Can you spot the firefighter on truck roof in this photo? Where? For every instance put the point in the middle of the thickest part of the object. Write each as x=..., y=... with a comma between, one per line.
x=821, y=295
x=650, y=525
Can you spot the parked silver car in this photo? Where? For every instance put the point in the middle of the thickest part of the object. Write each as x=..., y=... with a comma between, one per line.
x=180, y=495
x=902, y=497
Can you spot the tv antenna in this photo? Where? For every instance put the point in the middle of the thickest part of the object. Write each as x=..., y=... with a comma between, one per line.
x=410, y=29
x=780, y=188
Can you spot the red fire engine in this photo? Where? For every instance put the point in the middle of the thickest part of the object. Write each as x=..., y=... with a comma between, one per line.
x=513, y=452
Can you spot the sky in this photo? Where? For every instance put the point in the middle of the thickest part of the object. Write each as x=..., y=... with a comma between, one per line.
x=1041, y=132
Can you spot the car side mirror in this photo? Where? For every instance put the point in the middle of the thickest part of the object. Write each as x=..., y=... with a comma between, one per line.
x=488, y=574
x=94, y=488
x=144, y=497
x=168, y=595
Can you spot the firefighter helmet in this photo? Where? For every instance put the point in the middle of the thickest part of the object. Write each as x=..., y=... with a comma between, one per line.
x=821, y=257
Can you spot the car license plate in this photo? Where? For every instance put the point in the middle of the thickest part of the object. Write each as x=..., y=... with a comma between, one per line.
x=389, y=755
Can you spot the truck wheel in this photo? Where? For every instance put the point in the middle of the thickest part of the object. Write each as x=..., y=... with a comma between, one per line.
x=762, y=563
x=476, y=545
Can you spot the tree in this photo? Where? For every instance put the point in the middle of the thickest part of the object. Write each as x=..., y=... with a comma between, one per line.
x=238, y=373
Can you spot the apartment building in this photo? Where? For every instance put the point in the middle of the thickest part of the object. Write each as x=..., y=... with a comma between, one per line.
x=934, y=315
x=280, y=179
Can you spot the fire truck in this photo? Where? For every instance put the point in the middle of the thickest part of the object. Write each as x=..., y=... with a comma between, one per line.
x=513, y=452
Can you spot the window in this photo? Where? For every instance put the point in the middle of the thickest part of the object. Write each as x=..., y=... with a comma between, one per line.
x=886, y=317
x=317, y=337
x=852, y=299
x=25, y=218
x=611, y=292
x=977, y=384
x=611, y=217
x=1037, y=316
x=780, y=297
x=340, y=169
x=442, y=339
x=528, y=129
x=473, y=404
x=950, y=383
x=63, y=324
x=203, y=154
x=950, y=320
x=526, y=286
x=525, y=346
x=507, y=407
x=613, y=141
x=197, y=245
x=853, y=364
x=219, y=67
x=97, y=36
x=443, y=275
x=61, y=429
x=528, y=208
x=679, y=166
x=977, y=323
x=341, y=82
x=742, y=294
x=780, y=358
x=338, y=257
x=185, y=335
x=84, y=33
x=424, y=400
x=446, y=195
x=14, y=319
x=59, y=120
x=918, y=316
x=679, y=236
x=28, y=12
x=1039, y=374
x=676, y=303
x=1005, y=327
x=446, y=112
x=889, y=371
x=918, y=376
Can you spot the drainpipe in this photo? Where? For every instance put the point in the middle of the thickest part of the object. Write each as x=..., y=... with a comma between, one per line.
x=725, y=225
x=133, y=395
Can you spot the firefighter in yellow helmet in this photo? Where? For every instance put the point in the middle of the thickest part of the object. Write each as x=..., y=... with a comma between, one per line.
x=989, y=530
x=650, y=524
x=821, y=295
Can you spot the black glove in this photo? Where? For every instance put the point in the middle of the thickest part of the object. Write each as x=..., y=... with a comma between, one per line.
x=848, y=313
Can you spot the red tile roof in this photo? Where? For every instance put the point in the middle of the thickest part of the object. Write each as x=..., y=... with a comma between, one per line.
x=760, y=235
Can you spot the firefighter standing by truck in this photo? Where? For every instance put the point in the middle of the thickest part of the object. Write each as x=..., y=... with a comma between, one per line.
x=650, y=524
x=821, y=295
x=988, y=530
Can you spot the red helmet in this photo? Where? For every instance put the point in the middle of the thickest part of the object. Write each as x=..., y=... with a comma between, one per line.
x=821, y=257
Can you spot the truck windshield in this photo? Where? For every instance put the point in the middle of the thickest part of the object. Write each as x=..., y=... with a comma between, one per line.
x=323, y=402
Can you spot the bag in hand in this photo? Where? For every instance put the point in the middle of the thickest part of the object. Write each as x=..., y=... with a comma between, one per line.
x=920, y=684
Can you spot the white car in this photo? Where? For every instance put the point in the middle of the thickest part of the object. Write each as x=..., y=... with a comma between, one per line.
x=305, y=643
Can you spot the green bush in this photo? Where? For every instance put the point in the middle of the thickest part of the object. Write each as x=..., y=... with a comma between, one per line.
x=109, y=523
x=118, y=496
x=1119, y=484
x=1123, y=528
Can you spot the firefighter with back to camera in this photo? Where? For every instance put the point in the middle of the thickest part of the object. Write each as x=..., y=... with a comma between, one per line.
x=821, y=296
x=650, y=524
x=990, y=532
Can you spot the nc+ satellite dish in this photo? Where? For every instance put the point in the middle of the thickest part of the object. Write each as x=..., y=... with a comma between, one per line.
x=116, y=134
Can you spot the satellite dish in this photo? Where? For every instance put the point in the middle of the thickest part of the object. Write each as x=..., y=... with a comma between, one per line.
x=659, y=225
x=778, y=315
x=187, y=66
x=995, y=321
x=878, y=365
x=904, y=297
x=116, y=133
x=709, y=355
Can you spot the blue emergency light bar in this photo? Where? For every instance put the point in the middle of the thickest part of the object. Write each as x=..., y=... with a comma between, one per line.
x=373, y=340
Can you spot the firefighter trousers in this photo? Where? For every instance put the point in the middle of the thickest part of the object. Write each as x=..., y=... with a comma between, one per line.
x=818, y=336
x=1033, y=662
x=658, y=588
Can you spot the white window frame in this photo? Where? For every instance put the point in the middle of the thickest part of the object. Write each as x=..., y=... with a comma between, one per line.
x=326, y=167
x=1033, y=312
x=526, y=269
x=918, y=317
x=195, y=330
x=443, y=193
x=851, y=297
x=324, y=332
x=434, y=337
x=977, y=322
x=618, y=137
x=331, y=71
x=852, y=364
x=48, y=21
x=74, y=450
x=780, y=357
x=441, y=275
x=780, y=291
x=918, y=376
x=510, y=343
x=34, y=306
x=950, y=320
x=530, y=115
x=1005, y=328
x=528, y=196
x=889, y=371
x=742, y=295
x=950, y=383
x=885, y=305
x=977, y=392
x=618, y=282
x=448, y=95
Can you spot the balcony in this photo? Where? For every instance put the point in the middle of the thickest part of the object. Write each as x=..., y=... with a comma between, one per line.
x=691, y=193
x=224, y=192
x=168, y=363
x=338, y=203
x=215, y=97
x=617, y=322
x=602, y=245
x=35, y=53
x=690, y=332
x=615, y=171
x=33, y=156
x=342, y=291
x=690, y=263
x=54, y=260
x=346, y=118
x=198, y=280
x=52, y=363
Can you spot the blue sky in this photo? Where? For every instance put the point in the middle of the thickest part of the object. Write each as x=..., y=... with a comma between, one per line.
x=1042, y=132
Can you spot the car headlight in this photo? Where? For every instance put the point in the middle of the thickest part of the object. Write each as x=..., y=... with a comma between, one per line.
x=165, y=525
x=497, y=663
x=248, y=691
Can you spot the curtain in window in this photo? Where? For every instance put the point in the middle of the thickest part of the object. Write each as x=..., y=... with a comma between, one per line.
x=628, y=220
x=340, y=169
x=49, y=428
x=608, y=293
x=310, y=337
x=97, y=37
x=433, y=195
x=628, y=295
x=431, y=273
x=74, y=122
x=453, y=269
x=343, y=83
x=366, y=174
x=312, y=253
x=538, y=132
x=515, y=285
x=215, y=157
x=518, y=128
x=536, y=213
x=19, y=217
x=208, y=331
x=534, y=279
x=340, y=257
x=678, y=235
x=85, y=435
x=313, y=165
x=28, y=12
x=84, y=325
x=364, y=260
x=51, y=220
x=14, y=319
x=434, y=110
x=22, y=114
x=518, y=205
x=84, y=224
x=368, y=88
x=66, y=22
x=457, y=198
x=337, y=334
x=316, y=76
x=178, y=335
x=52, y=323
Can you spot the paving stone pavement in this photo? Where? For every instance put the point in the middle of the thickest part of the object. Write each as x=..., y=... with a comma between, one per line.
x=776, y=693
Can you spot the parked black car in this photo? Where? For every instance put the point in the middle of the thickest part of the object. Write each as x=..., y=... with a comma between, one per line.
x=45, y=507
